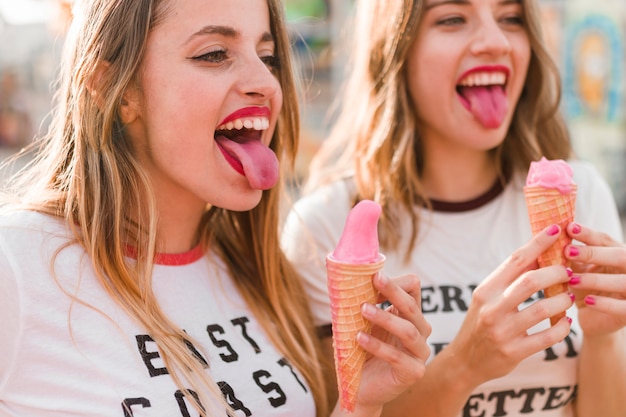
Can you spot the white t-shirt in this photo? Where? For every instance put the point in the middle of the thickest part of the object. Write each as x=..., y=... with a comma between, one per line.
x=61, y=358
x=454, y=252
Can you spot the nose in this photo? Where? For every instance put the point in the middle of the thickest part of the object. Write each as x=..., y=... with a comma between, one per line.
x=258, y=80
x=489, y=38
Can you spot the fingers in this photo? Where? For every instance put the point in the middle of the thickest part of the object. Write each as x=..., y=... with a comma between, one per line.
x=611, y=306
x=408, y=326
x=546, y=338
x=608, y=256
x=598, y=249
x=410, y=362
x=543, y=309
x=589, y=236
x=531, y=282
x=610, y=283
x=404, y=294
x=523, y=258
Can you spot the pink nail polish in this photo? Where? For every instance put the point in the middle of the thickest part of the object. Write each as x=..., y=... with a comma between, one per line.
x=590, y=300
x=569, y=320
x=572, y=297
x=574, y=280
x=569, y=272
x=553, y=230
x=573, y=251
x=576, y=229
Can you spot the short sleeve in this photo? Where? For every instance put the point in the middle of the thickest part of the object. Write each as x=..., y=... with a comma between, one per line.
x=595, y=204
x=9, y=314
x=311, y=231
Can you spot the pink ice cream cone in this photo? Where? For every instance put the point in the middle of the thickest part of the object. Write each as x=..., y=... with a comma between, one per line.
x=551, y=199
x=351, y=269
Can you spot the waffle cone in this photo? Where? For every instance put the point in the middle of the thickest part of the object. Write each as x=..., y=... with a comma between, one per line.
x=349, y=286
x=547, y=206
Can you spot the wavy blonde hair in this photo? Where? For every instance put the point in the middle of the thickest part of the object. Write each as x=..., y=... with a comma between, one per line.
x=86, y=171
x=375, y=138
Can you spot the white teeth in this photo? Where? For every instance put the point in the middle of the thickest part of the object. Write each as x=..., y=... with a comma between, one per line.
x=256, y=123
x=484, y=78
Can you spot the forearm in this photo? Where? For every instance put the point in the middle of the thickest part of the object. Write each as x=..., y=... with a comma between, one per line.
x=602, y=376
x=442, y=392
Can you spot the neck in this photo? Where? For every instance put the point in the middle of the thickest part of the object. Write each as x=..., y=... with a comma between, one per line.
x=458, y=176
x=178, y=224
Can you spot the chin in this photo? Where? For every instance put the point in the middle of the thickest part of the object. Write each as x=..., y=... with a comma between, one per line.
x=244, y=202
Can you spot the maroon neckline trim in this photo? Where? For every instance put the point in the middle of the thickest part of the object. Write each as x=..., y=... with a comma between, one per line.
x=461, y=206
x=172, y=259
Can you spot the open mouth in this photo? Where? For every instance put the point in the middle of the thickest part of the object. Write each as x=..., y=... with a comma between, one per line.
x=240, y=143
x=240, y=131
x=483, y=93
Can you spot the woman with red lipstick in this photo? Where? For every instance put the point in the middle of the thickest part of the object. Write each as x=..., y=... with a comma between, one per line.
x=140, y=267
x=445, y=106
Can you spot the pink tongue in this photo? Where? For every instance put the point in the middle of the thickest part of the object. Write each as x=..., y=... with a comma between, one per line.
x=259, y=162
x=488, y=104
x=359, y=240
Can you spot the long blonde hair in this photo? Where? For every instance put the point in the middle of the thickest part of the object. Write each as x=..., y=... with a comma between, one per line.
x=375, y=138
x=86, y=171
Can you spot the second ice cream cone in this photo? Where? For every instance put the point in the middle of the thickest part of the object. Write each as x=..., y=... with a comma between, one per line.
x=547, y=206
x=349, y=286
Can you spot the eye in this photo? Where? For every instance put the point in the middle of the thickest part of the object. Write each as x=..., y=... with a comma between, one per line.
x=272, y=62
x=514, y=20
x=450, y=21
x=214, y=57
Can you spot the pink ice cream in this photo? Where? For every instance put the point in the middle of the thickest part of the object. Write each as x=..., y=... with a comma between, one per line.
x=359, y=241
x=551, y=174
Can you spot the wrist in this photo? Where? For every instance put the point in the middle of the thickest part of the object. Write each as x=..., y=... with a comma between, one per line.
x=455, y=373
x=606, y=341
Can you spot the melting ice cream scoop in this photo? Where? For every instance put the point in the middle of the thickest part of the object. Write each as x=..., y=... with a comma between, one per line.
x=551, y=174
x=359, y=240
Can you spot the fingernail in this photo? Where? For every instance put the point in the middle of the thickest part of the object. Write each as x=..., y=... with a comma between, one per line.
x=573, y=251
x=368, y=310
x=553, y=230
x=574, y=280
x=569, y=272
x=363, y=338
x=572, y=297
x=576, y=228
x=569, y=320
x=383, y=279
x=590, y=300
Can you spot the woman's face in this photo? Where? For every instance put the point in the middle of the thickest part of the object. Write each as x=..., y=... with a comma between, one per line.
x=466, y=70
x=208, y=103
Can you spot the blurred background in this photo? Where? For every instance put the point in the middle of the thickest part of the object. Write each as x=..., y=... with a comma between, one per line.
x=585, y=37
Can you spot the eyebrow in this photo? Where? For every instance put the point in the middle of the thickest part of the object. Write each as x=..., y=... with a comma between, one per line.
x=435, y=3
x=226, y=31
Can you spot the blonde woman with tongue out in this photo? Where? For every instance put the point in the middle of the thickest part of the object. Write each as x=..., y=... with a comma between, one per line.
x=140, y=268
x=445, y=105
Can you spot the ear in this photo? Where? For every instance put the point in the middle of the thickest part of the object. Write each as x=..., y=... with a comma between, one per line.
x=129, y=106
